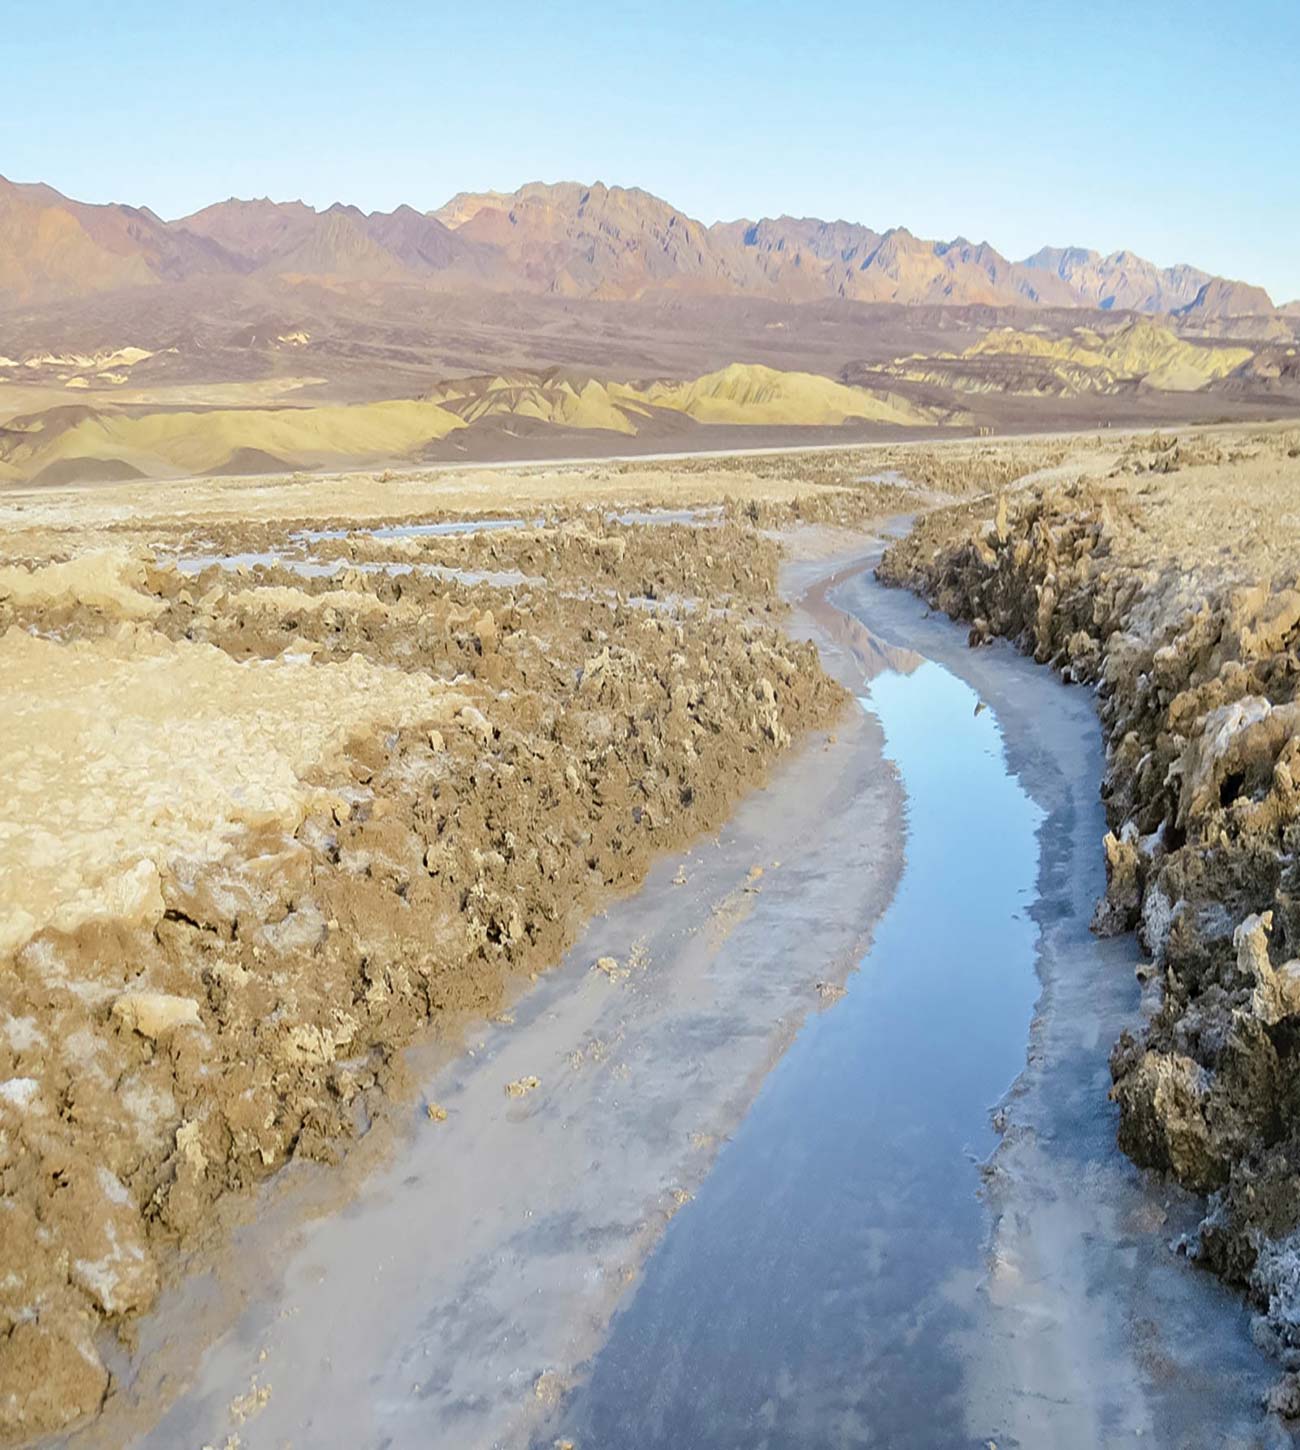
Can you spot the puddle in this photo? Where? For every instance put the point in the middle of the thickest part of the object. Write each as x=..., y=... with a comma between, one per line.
x=807, y=1295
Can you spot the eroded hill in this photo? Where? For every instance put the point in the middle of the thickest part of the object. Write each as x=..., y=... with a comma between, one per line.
x=75, y=442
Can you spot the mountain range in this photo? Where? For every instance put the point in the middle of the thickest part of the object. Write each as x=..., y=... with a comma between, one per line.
x=571, y=240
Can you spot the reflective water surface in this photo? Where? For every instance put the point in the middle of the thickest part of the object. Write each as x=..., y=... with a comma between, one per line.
x=811, y=1293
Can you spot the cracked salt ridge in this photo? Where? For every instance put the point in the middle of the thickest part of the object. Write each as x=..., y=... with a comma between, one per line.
x=414, y=531
x=476, y=526
x=314, y=568
x=310, y=568
x=837, y=1281
x=807, y=1288
x=495, y=578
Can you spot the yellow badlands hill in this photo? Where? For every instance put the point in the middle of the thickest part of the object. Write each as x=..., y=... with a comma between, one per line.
x=744, y=393
x=199, y=442
x=1142, y=350
x=548, y=400
x=81, y=441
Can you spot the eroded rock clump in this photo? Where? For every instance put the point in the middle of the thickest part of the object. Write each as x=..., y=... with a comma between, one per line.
x=1187, y=624
x=281, y=822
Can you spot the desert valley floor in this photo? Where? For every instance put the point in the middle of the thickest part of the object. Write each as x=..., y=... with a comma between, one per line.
x=489, y=953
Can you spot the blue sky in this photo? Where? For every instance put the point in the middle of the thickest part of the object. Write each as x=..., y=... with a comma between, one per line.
x=1167, y=128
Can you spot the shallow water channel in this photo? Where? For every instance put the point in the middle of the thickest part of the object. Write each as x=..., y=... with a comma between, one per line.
x=788, y=1298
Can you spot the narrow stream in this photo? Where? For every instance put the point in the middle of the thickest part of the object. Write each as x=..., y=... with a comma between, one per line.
x=868, y=1264
x=787, y=1303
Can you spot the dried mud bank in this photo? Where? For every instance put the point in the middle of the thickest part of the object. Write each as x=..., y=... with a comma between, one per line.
x=1169, y=584
x=266, y=826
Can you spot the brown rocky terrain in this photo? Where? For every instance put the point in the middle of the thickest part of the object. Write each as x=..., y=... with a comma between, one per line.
x=1165, y=578
x=56, y=247
x=1217, y=297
